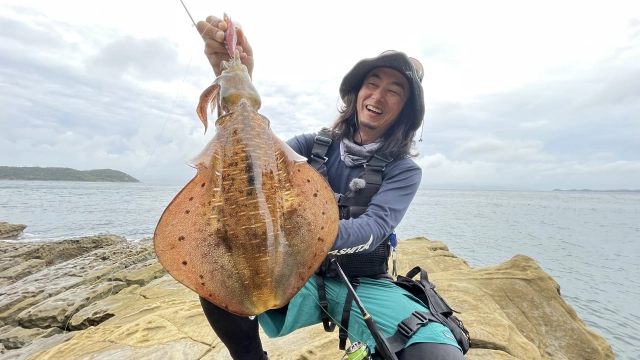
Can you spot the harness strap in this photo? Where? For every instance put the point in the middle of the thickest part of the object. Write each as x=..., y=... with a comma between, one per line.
x=373, y=169
x=322, y=299
x=346, y=313
x=408, y=327
x=320, y=146
x=353, y=201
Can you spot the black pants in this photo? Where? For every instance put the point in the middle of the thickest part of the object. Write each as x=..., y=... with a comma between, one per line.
x=241, y=337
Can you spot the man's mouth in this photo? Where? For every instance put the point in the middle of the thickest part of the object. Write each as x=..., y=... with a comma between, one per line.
x=374, y=109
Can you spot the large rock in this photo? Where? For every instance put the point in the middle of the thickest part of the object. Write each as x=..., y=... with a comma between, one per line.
x=111, y=256
x=11, y=231
x=513, y=310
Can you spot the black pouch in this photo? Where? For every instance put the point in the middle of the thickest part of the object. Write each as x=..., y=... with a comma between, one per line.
x=424, y=290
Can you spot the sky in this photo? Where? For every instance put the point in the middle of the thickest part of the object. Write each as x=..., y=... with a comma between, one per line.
x=519, y=95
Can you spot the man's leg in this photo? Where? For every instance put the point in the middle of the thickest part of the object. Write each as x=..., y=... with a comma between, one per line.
x=238, y=333
x=430, y=351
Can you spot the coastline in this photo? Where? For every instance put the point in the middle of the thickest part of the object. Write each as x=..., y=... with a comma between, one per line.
x=124, y=304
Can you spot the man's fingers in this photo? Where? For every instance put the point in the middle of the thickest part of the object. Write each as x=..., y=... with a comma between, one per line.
x=213, y=28
x=212, y=47
x=209, y=32
x=217, y=22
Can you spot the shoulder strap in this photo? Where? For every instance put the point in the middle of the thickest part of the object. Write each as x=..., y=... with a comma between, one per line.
x=320, y=146
x=373, y=169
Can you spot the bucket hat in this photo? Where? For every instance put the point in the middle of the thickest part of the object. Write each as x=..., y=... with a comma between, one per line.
x=399, y=61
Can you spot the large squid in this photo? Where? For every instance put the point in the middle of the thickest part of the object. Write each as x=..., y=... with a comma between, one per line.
x=256, y=221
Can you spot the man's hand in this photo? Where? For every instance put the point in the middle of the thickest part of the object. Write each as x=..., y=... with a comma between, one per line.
x=212, y=31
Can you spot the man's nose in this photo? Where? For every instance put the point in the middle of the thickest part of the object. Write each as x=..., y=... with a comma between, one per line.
x=377, y=95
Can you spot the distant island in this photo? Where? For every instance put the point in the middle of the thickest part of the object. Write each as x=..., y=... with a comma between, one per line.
x=589, y=190
x=63, y=174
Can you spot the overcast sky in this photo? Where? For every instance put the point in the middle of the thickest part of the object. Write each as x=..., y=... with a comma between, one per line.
x=536, y=96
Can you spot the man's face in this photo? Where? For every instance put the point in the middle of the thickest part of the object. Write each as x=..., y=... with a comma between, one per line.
x=381, y=98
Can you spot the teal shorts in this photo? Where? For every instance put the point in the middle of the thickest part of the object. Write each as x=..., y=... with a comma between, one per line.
x=387, y=303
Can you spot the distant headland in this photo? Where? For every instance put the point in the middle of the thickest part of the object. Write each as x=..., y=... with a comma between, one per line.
x=63, y=174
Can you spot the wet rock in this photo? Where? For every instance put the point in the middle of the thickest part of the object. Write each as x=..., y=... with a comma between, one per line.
x=17, y=337
x=513, y=311
x=57, y=311
x=22, y=269
x=36, y=346
x=142, y=273
x=11, y=231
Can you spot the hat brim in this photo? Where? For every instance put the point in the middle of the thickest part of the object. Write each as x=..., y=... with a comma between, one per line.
x=398, y=61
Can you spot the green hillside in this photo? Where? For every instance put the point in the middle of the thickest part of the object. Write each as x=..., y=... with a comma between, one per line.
x=63, y=174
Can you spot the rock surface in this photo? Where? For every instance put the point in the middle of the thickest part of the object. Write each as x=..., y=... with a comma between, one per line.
x=110, y=299
x=10, y=231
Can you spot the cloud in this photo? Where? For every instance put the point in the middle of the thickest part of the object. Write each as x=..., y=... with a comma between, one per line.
x=141, y=59
x=101, y=95
x=493, y=149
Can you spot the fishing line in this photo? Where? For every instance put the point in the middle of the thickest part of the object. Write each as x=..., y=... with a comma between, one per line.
x=170, y=113
x=333, y=320
x=179, y=90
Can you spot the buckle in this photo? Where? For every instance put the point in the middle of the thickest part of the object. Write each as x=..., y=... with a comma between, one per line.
x=405, y=329
x=408, y=326
x=324, y=304
x=321, y=159
x=420, y=316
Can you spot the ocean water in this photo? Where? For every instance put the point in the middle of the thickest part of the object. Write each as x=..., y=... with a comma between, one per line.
x=588, y=241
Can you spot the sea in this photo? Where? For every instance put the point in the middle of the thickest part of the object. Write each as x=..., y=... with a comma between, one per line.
x=588, y=241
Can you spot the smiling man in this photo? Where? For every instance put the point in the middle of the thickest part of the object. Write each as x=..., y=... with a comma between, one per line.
x=366, y=158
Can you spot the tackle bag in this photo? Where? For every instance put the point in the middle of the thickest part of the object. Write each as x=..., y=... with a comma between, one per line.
x=440, y=311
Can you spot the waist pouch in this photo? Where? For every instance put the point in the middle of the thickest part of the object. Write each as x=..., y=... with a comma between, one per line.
x=371, y=264
x=424, y=290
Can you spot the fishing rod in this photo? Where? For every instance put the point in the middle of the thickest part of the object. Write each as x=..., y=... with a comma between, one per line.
x=381, y=342
x=188, y=13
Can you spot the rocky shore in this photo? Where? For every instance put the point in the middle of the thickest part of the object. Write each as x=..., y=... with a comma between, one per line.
x=104, y=297
x=11, y=231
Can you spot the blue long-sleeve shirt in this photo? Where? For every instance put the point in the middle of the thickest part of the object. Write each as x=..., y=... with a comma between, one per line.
x=400, y=181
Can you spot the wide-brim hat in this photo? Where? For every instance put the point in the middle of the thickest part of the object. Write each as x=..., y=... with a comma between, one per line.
x=400, y=62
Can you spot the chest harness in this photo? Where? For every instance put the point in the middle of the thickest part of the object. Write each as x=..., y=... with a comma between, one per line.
x=351, y=205
x=374, y=264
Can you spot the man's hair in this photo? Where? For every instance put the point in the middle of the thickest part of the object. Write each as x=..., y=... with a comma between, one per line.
x=398, y=139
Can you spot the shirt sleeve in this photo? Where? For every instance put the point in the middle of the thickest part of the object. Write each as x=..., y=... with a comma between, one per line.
x=302, y=144
x=387, y=208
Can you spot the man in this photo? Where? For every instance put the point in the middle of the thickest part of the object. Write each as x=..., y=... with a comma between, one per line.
x=383, y=109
